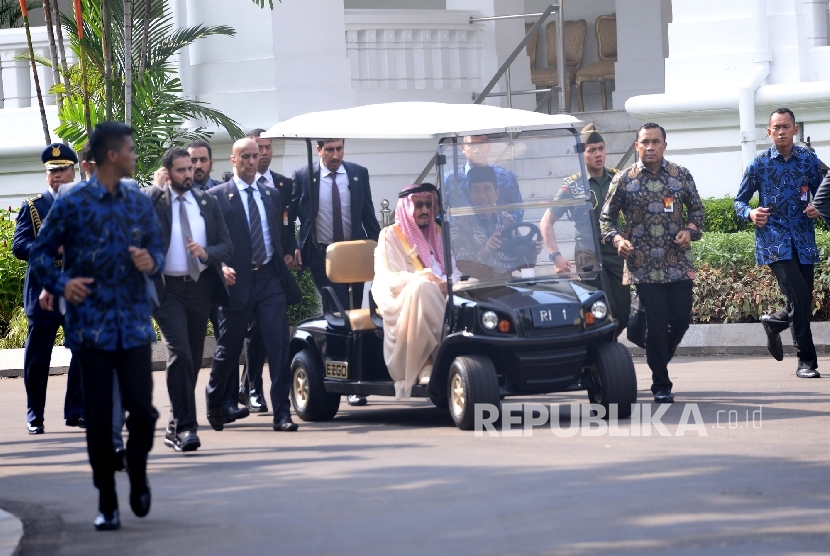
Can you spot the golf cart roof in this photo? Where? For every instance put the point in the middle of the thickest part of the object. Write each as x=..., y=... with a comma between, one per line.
x=415, y=120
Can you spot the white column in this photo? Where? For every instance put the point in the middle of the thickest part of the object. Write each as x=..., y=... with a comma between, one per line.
x=17, y=90
x=500, y=39
x=816, y=13
x=642, y=46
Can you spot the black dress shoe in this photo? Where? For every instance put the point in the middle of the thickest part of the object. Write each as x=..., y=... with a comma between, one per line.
x=285, y=425
x=233, y=413
x=140, y=498
x=216, y=418
x=807, y=373
x=189, y=442
x=257, y=403
x=663, y=396
x=357, y=401
x=776, y=349
x=79, y=422
x=35, y=427
x=107, y=522
x=120, y=460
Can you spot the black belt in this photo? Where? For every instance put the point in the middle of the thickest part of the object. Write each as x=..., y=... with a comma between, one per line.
x=185, y=278
x=255, y=267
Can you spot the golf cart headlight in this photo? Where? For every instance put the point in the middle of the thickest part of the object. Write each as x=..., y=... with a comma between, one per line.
x=599, y=309
x=489, y=320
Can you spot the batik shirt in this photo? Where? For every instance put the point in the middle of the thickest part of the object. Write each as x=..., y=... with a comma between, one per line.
x=96, y=229
x=785, y=187
x=456, y=191
x=652, y=205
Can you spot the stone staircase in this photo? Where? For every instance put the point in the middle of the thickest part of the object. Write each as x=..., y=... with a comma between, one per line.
x=617, y=128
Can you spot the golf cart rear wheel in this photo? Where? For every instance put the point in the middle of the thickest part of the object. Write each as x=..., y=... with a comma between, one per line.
x=612, y=379
x=308, y=395
x=472, y=381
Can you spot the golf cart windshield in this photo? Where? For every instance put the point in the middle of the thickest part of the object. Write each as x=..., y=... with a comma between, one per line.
x=496, y=191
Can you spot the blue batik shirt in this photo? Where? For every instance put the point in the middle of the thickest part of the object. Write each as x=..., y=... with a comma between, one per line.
x=96, y=229
x=456, y=192
x=785, y=187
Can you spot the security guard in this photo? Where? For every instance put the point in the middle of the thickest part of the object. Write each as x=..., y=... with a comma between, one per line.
x=599, y=182
x=41, y=308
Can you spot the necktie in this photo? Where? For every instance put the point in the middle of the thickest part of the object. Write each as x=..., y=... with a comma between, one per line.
x=336, y=211
x=192, y=265
x=255, y=223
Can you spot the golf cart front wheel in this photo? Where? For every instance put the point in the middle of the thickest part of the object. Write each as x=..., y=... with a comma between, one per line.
x=472, y=381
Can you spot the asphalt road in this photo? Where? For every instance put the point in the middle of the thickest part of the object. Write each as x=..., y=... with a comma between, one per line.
x=399, y=478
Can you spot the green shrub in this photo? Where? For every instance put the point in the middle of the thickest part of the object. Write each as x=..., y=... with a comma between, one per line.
x=18, y=330
x=719, y=250
x=721, y=217
x=310, y=305
x=12, y=272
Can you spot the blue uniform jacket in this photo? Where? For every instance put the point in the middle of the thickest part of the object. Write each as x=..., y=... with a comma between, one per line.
x=24, y=239
x=784, y=187
x=96, y=229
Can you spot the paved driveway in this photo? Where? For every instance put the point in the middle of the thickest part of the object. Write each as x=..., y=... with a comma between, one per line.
x=399, y=478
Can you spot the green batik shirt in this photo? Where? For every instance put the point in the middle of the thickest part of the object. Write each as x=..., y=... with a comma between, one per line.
x=572, y=187
x=652, y=205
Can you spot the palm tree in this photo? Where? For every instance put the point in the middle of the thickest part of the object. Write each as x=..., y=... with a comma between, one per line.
x=128, y=68
x=159, y=110
x=11, y=15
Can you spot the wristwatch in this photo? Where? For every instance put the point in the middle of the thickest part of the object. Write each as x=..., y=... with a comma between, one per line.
x=693, y=233
x=553, y=255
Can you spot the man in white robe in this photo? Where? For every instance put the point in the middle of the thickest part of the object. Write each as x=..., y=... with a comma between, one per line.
x=410, y=288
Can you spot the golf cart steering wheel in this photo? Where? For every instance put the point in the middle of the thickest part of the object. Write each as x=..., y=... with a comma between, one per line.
x=520, y=249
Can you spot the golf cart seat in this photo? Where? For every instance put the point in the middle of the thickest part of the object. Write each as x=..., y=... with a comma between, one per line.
x=348, y=262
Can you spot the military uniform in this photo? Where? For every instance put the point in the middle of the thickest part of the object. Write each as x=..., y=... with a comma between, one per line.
x=43, y=324
x=613, y=266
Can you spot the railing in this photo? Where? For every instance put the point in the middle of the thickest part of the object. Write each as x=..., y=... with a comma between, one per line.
x=413, y=49
x=17, y=88
x=504, y=70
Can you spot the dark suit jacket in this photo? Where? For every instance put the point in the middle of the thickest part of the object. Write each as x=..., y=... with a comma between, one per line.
x=305, y=202
x=24, y=239
x=230, y=204
x=219, y=247
x=821, y=200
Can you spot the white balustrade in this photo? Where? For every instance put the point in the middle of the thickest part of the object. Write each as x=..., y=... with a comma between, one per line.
x=414, y=49
x=17, y=86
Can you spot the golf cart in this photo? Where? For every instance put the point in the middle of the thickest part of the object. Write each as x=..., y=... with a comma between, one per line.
x=513, y=325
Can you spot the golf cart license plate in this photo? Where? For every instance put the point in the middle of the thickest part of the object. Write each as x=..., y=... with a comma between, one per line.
x=337, y=369
x=545, y=316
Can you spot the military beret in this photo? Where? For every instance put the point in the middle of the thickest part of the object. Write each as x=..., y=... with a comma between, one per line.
x=58, y=155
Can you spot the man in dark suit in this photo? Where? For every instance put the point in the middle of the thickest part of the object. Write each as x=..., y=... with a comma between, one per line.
x=201, y=154
x=250, y=388
x=45, y=318
x=251, y=212
x=334, y=205
x=197, y=243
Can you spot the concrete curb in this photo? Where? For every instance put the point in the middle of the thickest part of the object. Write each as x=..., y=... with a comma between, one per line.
x=11, y=531
x=702, y=340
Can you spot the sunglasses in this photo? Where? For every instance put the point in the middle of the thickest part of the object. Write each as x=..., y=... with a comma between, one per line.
x=421, y=204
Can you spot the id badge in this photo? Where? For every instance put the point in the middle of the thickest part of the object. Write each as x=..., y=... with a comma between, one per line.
x=285, y=218
x=668, y=204
x=805, y=193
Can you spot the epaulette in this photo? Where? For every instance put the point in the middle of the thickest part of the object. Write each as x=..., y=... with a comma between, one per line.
x=33, y=213
x=574, y=184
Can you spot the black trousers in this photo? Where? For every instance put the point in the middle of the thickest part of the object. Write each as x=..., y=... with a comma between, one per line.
x=134, y=370
x=796, y=283
x=318, y=274
x=254, y=362
x=619, y=295
x=668, y=315
x=266, y=304
x=182, y=318
x=37, y=357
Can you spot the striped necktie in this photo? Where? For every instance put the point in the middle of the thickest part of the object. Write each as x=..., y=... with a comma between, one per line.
x=255, y=224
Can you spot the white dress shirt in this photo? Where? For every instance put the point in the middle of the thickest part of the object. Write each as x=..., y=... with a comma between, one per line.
x=269, y=178
x=266, y=230
x=175, y=264
x=325, y=225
